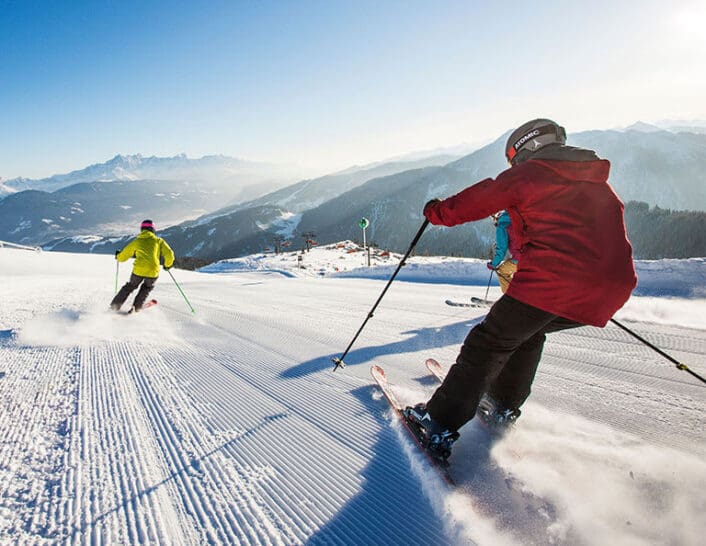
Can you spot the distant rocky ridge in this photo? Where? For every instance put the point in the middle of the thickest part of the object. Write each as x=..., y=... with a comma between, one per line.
x=217, y=171
x=111, y=197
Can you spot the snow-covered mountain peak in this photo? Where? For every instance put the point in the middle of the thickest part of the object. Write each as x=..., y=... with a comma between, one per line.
x=643, y=127
x=214, y=169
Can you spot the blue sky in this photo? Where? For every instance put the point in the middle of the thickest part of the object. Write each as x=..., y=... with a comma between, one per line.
x=328, y=84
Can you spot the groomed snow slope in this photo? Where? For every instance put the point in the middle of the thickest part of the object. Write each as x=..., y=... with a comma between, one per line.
x=230, y=427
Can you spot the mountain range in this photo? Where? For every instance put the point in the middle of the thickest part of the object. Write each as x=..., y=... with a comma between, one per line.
x=110, y=197
x=217, y=171
x=114, y=208
x=649, y=164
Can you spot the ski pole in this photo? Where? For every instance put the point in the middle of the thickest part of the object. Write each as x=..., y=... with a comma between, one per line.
x=339, y=361
x=488, y=289
x=678, y=364
x=117, y=271
x=181, y=291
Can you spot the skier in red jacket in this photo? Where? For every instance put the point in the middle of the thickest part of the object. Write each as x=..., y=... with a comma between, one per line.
x=575, y=268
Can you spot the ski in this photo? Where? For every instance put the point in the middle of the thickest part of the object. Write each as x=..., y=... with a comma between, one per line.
x=436, y=369
x=475, y=302
x=439, y=464
x=149, y=304
x=132, y=311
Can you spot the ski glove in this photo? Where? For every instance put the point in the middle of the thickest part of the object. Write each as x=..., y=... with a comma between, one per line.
x=116, y=253
x=167, y=268
x=490, y=266
x=429, y=204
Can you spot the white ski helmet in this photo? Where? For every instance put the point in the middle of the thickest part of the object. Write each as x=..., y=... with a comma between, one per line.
x=530, y=137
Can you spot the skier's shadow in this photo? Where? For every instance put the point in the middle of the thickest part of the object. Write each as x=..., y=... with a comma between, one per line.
x=421, y=524
x=420, y=339
x=7, y=338
x=496, y=494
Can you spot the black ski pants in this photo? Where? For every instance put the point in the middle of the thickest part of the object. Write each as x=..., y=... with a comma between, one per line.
x=499, y=357
x=130, y=286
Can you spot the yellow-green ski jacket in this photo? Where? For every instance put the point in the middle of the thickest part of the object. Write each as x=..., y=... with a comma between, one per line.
x=147, y=248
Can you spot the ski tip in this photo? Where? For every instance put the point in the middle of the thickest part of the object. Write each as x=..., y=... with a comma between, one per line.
x=377, y=371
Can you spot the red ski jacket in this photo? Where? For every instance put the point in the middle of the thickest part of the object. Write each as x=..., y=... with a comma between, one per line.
x=575, y=258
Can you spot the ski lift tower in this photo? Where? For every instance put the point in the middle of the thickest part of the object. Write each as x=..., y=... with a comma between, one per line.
x=364, y=223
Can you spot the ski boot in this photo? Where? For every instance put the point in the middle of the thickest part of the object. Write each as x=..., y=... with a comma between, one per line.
x=435, y=439
x=497, y=418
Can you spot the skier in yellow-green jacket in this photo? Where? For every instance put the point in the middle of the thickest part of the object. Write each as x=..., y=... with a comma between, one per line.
x=147, y=249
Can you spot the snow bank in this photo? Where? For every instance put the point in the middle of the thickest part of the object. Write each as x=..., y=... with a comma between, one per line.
x=682, y=278
x=676, y=278
x=669, y=291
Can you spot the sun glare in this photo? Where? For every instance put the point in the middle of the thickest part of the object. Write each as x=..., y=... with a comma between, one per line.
x=691, y=20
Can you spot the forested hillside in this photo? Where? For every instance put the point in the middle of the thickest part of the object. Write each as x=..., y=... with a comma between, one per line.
x=662, y=233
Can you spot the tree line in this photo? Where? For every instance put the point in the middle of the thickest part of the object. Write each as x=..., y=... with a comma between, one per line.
x=657, y=233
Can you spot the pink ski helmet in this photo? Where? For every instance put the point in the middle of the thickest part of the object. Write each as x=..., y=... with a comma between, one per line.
x=147, y=224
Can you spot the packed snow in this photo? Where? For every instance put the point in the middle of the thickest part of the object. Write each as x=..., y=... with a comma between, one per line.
x=229, y=425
